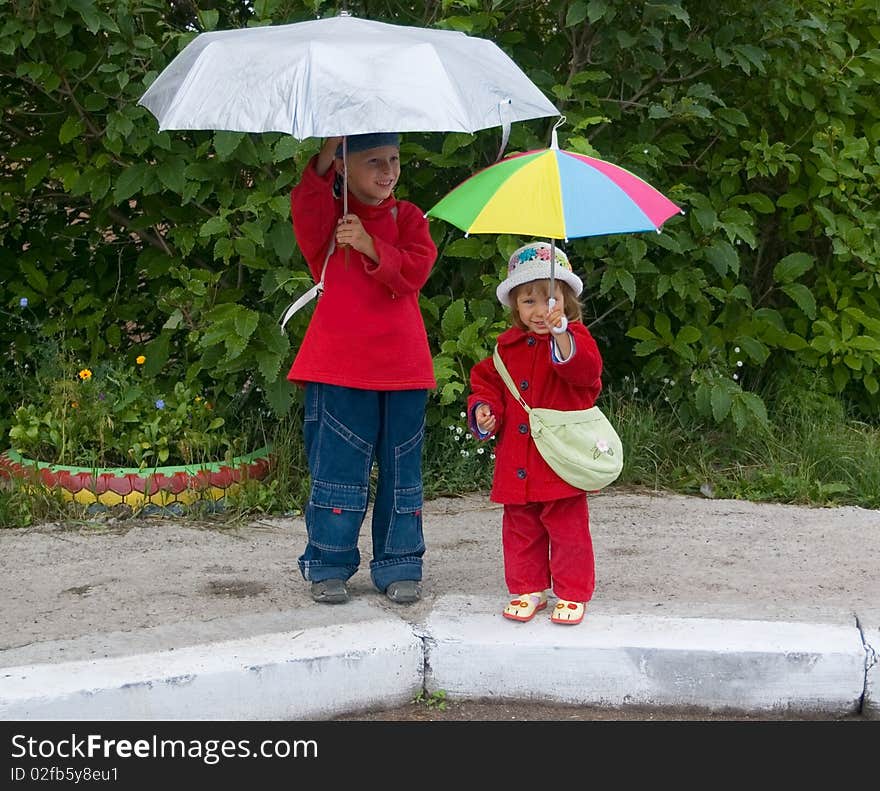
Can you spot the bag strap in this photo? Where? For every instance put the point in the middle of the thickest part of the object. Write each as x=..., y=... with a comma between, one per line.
x=318, y=288
x=505, y=375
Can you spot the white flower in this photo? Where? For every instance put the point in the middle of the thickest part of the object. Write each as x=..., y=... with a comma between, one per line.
x=672, y=382
x=666, y=380
x=736, y=376
x=457, y=438
x=481, y=451
x=736, y=349
x=463, y=414
x=492, y=456
x=459, y=430
x=635, y=390
x=451, y=427
x=739, y=363
x=465, y=453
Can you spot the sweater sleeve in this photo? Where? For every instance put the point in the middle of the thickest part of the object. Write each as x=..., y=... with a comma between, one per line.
x=486, y=388
x=584, y=367
x=314, y=211
x=404, y=266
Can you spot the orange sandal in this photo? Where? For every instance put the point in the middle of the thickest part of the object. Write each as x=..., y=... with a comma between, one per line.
x=568, y=612
x=524, y=606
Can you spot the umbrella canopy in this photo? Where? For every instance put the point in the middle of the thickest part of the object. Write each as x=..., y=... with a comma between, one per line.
x=342, y=76
x=554, y=193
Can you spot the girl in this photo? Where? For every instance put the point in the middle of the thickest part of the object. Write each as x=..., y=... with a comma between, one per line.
x=556, y=364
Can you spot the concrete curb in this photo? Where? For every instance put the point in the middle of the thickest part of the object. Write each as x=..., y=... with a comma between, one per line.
x=307, y=674
x=467, y=649
x=648, y=661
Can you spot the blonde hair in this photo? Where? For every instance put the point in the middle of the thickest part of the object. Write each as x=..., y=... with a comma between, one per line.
x=573, y=311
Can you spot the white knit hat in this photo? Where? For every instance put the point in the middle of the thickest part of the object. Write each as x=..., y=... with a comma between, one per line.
x=532, y=262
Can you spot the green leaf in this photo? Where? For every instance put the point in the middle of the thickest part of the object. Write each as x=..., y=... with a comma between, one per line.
x=756, y=350
x=577, y=13
x=688, y=335
x=214, y=227
x=36, y=173
x=170, y=172
x=723, y=257
x=130, y=182
x=792, y=267
x=208, y=19
x=663, y=326
x=720, y=400
x=469, y=247
x=225, y=143
x=802, y=297
x=70, y=130
x=453, y=319
x=641, y=334
x=627, y=283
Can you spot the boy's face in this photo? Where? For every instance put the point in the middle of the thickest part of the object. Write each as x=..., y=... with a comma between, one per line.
x=532, y=305
x=372, y=174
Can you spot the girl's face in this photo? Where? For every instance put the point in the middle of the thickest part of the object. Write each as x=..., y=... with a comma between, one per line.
x=532, y=305
x=372, y=174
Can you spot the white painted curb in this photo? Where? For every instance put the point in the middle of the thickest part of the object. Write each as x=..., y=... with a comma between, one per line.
x=307, y=674
x=636, y=660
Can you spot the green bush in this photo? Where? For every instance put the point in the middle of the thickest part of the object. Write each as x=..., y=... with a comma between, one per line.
x=760, y=119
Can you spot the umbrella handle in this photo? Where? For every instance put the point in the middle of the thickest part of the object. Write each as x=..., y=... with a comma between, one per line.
x=562, y=327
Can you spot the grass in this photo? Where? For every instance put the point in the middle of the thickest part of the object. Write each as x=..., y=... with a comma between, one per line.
x=810, y=454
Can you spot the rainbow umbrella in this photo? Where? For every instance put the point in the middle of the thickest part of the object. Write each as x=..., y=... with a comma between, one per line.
x=557, y=194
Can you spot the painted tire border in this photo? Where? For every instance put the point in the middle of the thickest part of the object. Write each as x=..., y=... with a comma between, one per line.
x=161, y=486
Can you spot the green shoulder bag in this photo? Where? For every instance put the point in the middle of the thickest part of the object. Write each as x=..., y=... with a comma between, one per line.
x=580, y=445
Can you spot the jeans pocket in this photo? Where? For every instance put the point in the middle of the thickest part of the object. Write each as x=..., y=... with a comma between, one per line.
x=405, y=535
x=334, y=515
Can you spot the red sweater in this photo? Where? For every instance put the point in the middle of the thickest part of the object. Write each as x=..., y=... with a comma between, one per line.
x=367, y=331
x=521, y=474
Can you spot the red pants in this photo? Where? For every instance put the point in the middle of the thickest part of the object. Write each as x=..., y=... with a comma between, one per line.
x=549, y=541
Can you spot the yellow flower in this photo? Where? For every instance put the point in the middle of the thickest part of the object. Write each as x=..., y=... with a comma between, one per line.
x=140, y=360
x=85, y=374
x=74, y=404
x=198, y=398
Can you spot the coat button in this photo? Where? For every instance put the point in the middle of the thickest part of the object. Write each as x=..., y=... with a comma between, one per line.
x=531, y=341
x=523, y=385
x=523, y=428
x=520, y=473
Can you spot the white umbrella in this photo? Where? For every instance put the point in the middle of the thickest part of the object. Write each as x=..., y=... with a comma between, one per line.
x=342, y=76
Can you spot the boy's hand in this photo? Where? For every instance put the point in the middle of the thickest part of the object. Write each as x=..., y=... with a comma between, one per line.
x=484, y=418
x=350, y=231
x=327, y=155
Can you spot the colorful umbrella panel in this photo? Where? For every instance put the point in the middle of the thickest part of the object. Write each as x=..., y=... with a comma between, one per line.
x=557, y=194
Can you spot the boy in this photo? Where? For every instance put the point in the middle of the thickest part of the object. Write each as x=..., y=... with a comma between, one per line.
x=366, y=367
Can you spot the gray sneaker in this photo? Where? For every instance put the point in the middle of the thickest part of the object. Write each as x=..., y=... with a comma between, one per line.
x=404, y=591
x=330, y=592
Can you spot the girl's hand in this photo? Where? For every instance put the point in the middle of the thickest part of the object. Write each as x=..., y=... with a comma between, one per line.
x=557, y=321
x=350, y=231
x=484, y=418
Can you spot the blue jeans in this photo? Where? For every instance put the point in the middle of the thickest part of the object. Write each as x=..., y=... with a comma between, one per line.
x=345, y=430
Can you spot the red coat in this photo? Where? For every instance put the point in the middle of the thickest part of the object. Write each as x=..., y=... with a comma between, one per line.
x=521, y=474
x=367, y=330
